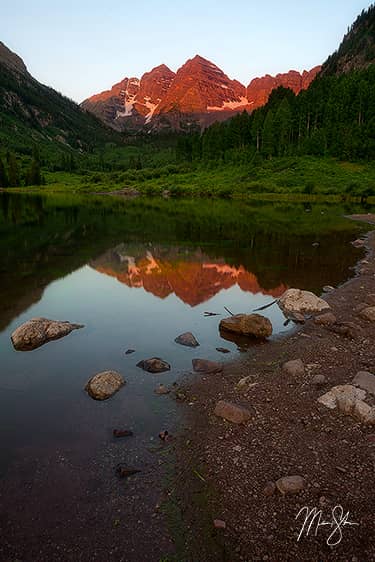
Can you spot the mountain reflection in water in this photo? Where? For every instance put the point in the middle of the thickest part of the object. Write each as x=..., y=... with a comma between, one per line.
x=189, y=274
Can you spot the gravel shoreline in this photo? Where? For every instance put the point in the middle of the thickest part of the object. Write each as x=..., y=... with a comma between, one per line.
x=229, y=467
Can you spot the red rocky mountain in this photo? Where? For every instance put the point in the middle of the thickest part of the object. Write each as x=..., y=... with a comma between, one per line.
x=259, y=89
x=198, y=93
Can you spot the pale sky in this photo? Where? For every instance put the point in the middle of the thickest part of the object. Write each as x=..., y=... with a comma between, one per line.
x=83, y=47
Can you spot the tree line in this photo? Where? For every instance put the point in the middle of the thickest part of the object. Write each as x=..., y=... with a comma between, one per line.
x=12, y=175
x=334, y=117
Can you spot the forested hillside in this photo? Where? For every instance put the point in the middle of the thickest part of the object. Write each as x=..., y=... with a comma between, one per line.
x=334, y=117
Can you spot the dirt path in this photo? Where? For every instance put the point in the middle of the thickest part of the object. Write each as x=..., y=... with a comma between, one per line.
x=224, y=468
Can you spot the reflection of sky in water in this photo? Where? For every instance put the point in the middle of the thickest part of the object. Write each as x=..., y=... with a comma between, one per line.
x=45, y=386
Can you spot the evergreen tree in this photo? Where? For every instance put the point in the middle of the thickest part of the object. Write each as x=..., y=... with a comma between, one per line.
x=13, y=171
x=268, y=135
x=3, y=175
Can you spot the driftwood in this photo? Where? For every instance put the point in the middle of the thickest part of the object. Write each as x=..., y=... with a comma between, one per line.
x=265, y=306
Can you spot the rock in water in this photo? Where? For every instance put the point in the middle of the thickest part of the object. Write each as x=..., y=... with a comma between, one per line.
x=301, y=302
x=103, y=385
x=254, y=325
x=154, y=365
x=187, y=339
x=38, y=331
x=206, y=366
x=232, y=412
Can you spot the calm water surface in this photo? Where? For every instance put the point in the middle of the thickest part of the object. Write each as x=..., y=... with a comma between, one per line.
x=136, y=274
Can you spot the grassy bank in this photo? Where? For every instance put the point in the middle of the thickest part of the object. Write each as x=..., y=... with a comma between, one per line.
x=298, y=178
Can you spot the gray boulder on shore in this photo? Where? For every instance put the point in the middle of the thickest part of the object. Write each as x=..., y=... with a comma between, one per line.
x=296, y=301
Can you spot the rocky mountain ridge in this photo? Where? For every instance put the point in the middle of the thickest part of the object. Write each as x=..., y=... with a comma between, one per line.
x=198, y=93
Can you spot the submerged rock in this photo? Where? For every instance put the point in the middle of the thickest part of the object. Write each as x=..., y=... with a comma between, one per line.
x=38, y=331
x=232, y=412
x=187, y=339
x=206, y=366
x=154, y=365
x=223, y=350
x=104, y=385
x=253, y=325
x=161, y=389
x=301, y=302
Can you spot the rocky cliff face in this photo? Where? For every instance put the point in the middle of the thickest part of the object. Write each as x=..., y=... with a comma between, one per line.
x=199, y=93
x=201, y=86
x=11, y=60
x=259, y=89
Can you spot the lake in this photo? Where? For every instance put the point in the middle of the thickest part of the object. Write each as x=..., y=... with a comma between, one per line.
x=136, y=273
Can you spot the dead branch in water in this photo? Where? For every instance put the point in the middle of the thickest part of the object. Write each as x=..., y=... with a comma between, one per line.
x=265, y=306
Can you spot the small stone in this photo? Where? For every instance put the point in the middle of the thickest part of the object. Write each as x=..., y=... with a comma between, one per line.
x=244, y=383
x=129, y=351
x=290, y=484
x=187, y=339
x=103, y=385
x=161, y=389
x=294, y=368
x=368, y=313
x=319, y=380
x=269, y=489
x=328, y=289
x=223, y=350
x=206, y=366
x=365, y=380
x=219, y=524
x=154, y=365
x=358, y=243
x=232, y=412
x=326, y=319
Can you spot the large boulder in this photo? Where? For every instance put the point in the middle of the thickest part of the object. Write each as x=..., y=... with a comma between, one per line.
x=154, y=365
x=232, y=412
x=254, y=325
x=187, y=339
x=296, y=301
x=38, y=331
x=103, y=385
